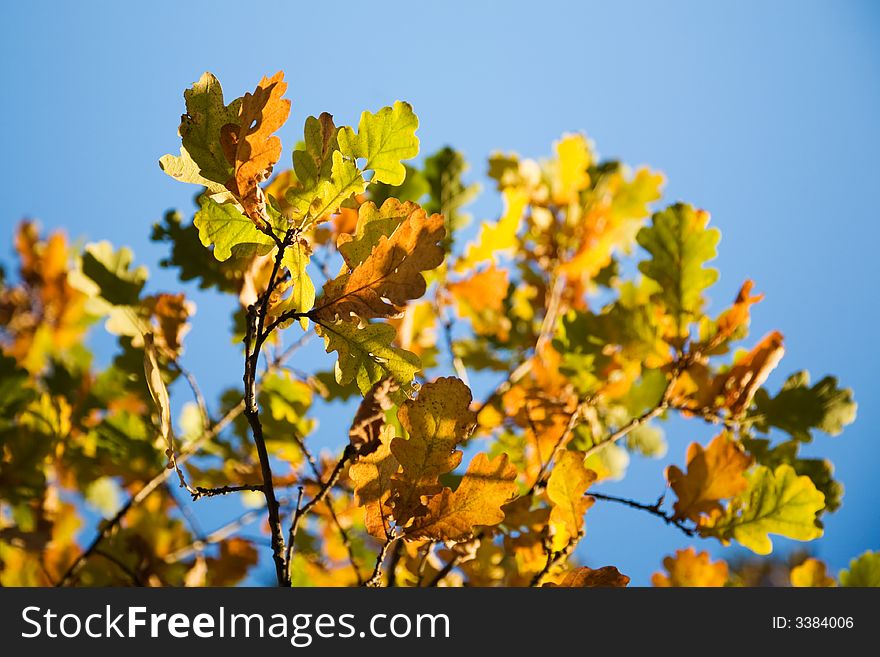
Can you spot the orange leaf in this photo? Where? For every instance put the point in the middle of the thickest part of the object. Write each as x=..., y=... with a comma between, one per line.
x=484, y=489
x=691, y=569
x=251, y=148
x=713, y=474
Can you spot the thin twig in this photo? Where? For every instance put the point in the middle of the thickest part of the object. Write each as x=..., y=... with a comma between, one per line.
x=375, y=580
x=653, y=509
x=201, y=491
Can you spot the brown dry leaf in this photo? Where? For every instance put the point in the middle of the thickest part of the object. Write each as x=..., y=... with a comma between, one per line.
x=369, y=420
x=371, y=477
x=566, y=488
x=713, y=474
x=251, y=147
x=748, y=374
x=688, y=568
x=484, y=489
x=392, y=272
x=437, y=421
x=583, y=577
x=171, y=313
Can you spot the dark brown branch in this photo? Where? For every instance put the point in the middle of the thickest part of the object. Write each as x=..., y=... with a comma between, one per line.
x=375, y=580
x=325, y=489
x=653, y=509
x=201, y=491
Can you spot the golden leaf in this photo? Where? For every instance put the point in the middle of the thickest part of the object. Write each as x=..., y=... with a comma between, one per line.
x=371, y=477
x=437, y=421
x=568, y=482
x=713, y=474
x=688, y=568
x=812, y=573
x=484, y=489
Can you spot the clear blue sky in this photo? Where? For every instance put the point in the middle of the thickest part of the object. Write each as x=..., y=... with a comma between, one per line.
x=766, y=114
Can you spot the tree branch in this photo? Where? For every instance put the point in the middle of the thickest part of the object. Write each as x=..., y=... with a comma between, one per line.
x=653, y=509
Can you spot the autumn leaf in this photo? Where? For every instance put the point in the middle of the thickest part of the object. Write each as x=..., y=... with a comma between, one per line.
x=345, y=181
x=732, y=321
x=863, y=571
x=713, y=474
x=371, y=476
x=202, y=160
x=680, y=244
x=583, y=577
x=373, y=223
x=437, y=421
x=366, y=355
x=573, y=158
x=774, y=502
x=484, y=489
x=158, y=392
x=750, y=372
x=171, y=313
x=296, y=259
x=250, y=146
x=370, y=419
x=566, y=488
x=499, y=237
x=390, y=276
x=383, y=140
x=480, y=298
x=688, y=568
x=812, y=573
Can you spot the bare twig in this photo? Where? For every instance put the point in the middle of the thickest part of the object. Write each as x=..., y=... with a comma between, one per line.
x=375, y=580
x=653, y=509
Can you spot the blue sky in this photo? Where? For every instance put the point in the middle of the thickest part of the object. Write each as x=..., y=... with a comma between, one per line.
x=765, y=114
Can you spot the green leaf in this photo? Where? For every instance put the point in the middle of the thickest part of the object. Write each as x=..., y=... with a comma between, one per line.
x=345, y=180
x=193, y=260
x=775, y=502
x=413, y=188
x=680, y=244
x=14, y=390
x=206, y=114
x=366, y=355
x=229, y=231
x=443, y=172
x=383, y=140
x=110, y=274
x=820, y=471
x=314, y=161
x=863, y=571
x=798, y=408
x=302, y=297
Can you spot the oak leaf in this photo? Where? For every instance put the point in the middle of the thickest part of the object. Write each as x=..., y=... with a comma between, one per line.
x=454, y=515
x=383, y=140
x=777, y=502
x=373, y=223
x=390, y=276
x=437, y=421
x=713, y=474
x=369, y=420
x=583, y=577
x=371, y=475
x=812, y=573
x=250, y=146
x=863, y=571
x=566, y=488
x=688, y=568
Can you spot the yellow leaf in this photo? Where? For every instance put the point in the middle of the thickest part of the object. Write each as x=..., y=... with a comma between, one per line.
x=691, y=569
x=573, y=158
x=158, y=390
x=499, y=237
x=437, y=421
x=713, y=474
x=566, y=486
x=371, y=477
x=812, y=573
x=484, y=489
x=480, y=298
